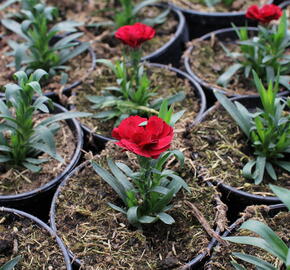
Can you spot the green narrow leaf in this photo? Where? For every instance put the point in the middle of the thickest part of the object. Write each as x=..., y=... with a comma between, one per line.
x=255, y=261
x=235, y=114
x=283, y=194
x=167, y=219
x=10, y=265
x=111, y=180
x=132, y=215
x=120, y=176
x=228, y=74
x=117, y=208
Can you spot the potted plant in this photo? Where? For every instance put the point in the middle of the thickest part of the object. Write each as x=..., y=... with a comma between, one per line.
x=37, y=148
x=144, y=227
x=245, y=146
x=224, y=60
x=103, y=18
x=268, y=251
x=138, y=89
x=28, y=243
x=43, y=47
x=204, y=16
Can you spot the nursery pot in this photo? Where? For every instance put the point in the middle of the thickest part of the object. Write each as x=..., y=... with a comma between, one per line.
x=17, y=215
x=271, y=212
x=201, y=22
x=67, y=89
x=226, y=36
x=37, y=201
x=97, y=141
x=196, y=263
x=171, y=51
x=235, y=197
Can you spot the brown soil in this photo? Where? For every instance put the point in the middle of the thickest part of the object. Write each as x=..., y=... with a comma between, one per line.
x=37, y=248
x=209, y=60
x=222, y=255
x=220, y=151
x=19, y=180
x=102, y=237
x=238, y=5
x=167, y=84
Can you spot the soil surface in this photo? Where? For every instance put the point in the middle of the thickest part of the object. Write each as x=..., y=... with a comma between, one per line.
x=21, y=236
x=102, y=238
x=18, y=180
x=209, y=60
x=199, y=5
x=164, y=81
x=280, y=224
x=220, y=150
x=103, y=41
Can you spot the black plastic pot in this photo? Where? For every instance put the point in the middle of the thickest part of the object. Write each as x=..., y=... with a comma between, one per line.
x=227, y=35
x=195, y=264
x=200, y=23
x=273, y=210
x=235, y=197
x=96, y=142
x=67, y=89
x=37, y=201
x=43, y=226
x=171, y=51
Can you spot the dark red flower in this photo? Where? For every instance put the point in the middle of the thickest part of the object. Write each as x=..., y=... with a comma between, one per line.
x=265, y=14
x=144, y=139
x=135, y=35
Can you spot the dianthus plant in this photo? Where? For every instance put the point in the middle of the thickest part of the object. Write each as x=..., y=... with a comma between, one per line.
x=23, y=137
x=133, y=93
x=42, y=48
x=147, y=192
x=266, y=53
x=129, y=13
x=268, y=130
x=269, y=241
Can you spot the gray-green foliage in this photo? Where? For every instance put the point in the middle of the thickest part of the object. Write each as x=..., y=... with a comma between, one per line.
x=39, y=51
x=269, y=241
x=130, y=14
x=265, y=53
x=147, y=193
x=22, y=139
x=268, y=129
x=11, y=264
x=211, y=3
x=131, y=96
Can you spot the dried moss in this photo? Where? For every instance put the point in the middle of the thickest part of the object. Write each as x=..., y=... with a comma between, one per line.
x=280, y=223
x=220, y=151
x=103, y=239
x=21, y=236
x=166, y=82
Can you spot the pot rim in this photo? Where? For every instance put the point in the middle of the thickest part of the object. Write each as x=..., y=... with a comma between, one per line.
x=52, y=221
x=180, y=28
x=78, y=134
x=187, y=62
x=212, y=14
x=271, y=200
x=198, y=90
x=46, y=227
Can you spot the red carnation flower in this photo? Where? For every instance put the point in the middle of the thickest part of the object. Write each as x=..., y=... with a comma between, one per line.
x=264, y=14
x=144, y=139
x=135, y=35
